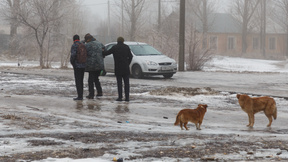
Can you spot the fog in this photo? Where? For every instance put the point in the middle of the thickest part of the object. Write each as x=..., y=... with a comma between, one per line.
x=211, y=28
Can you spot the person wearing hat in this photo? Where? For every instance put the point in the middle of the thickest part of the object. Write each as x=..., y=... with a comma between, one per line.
x=78, y=67
x=122, y=58
x=94, y=65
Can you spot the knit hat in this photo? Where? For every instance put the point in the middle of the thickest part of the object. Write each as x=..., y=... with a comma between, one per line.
x=76, y=37
x=88, y=37
x=120, y=40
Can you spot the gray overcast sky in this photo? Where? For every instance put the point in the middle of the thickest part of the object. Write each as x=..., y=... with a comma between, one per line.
x=97, y=7
x=100, y=7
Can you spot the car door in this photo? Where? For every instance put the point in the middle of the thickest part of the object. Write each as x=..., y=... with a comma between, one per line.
x=109, y=60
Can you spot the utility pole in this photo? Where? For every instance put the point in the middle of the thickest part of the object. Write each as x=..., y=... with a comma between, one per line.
x=264, y=30
x=109, y=20
x=182, y=36
x=122, y=17
x=159, y=15
x=263, y=27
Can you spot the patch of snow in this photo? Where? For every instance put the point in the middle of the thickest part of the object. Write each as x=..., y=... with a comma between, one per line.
x=135, y=120
x=237, y=64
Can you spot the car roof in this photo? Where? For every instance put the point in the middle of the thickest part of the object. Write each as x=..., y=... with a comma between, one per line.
x=129, y=43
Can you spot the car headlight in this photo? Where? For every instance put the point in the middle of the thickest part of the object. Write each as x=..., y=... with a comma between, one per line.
x=151, y=63
x=174, y=63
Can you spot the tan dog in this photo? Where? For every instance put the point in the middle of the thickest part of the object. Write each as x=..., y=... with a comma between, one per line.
x=193, y=115
x=256, y=104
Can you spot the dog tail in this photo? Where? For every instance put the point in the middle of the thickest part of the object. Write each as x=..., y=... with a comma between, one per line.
x=177, y=119
x=275, y=113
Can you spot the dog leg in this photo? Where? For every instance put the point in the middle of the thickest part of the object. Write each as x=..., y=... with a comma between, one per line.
x=270, y=120
x=199, y=124
x=269, y=116
x=249, y=118
x=185, y=125
x=197, y=127
x=181, y=125
x=252, y=120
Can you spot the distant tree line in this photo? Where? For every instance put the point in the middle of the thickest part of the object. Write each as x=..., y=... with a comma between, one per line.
x=47, y=26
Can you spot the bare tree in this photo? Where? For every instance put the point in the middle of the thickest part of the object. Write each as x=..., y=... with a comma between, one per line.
x=41, y=16
x=44, y=26
x=281, y=17
x=203, y=11
x=200, y=21
x=10, y=10
x=167, y=39
x=244, y=10
x=197, y=55
x=133, y=10
x=263, y=6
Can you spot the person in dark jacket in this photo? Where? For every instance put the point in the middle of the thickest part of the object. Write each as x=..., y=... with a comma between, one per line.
x=79, y=68
x=94, y=65
x=122, y=59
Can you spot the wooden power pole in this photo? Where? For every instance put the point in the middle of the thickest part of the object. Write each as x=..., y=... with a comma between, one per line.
x=159, y=15
x=181, y=60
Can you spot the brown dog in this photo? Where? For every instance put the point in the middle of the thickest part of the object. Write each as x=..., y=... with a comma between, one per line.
x=193, y=115
x=256, y=104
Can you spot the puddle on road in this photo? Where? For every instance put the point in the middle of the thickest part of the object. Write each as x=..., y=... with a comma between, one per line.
x=51, y=113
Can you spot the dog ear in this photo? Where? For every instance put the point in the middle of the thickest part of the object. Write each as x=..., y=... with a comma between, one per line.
x=238, y=96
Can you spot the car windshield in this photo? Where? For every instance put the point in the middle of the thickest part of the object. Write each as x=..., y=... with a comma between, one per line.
x=141, y=50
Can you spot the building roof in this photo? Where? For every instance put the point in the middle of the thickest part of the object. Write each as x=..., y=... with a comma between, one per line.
x=223, y=23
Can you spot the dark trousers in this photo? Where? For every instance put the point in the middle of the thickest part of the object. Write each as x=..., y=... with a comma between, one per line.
x=79, y=76
x=93, y=78
x=126, y=86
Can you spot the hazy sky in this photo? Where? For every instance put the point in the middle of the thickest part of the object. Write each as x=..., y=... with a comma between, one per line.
x=100, y=7
x=97, y=7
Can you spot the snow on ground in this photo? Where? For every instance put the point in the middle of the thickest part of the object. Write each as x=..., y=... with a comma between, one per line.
x=217, y=64
x=236, y=64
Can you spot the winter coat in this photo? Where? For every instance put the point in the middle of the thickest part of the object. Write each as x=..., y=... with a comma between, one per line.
x=73, y=57
x=95, y=59
x=122, y=58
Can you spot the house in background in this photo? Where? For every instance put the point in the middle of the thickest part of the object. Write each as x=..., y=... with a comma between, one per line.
x=224, y=37
x=4, y=37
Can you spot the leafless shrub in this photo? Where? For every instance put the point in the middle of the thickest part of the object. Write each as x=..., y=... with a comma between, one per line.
x=165, y=44
x=197, y=57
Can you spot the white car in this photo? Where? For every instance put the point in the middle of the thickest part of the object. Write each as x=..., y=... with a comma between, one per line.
x=146, y=61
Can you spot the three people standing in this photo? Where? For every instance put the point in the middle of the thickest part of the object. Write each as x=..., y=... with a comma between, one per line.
x=95, y=64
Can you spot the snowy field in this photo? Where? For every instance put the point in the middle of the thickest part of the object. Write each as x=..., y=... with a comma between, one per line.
x=218, y=63
x=147, y=112
x=236, y=64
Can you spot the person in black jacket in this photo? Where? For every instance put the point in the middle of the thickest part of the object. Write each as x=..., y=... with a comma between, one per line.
x=79, y=68
x=122, y=59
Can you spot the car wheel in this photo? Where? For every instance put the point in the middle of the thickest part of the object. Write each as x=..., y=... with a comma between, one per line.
x=137, y=71
x=168, y=76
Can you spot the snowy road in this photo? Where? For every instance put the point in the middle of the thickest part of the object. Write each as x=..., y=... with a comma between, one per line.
x=39, y=119
x=265, y=83
x=272, y=84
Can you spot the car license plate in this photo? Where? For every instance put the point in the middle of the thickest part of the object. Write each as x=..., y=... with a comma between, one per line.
x=167, y=68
